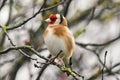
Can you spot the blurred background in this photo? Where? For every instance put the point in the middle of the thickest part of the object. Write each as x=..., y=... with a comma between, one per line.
x=94, y=23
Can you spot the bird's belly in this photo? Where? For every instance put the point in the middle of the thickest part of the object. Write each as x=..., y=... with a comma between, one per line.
x=55, y=44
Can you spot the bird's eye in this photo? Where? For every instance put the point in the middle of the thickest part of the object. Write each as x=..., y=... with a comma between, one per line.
x=52, y=19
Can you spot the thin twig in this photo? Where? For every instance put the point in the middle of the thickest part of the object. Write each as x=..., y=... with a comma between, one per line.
x=3, y=3
x=103, y=44
x=14, y=46
x=91, y=15
x=28, y=18
x=66, y=7
x=40, y=10
x=104, y=65
x=10, y=49
x=101, y=62
x=43, y=69
x=109, y=71
x=8, y=20
x=10, y=12
x=47, y=64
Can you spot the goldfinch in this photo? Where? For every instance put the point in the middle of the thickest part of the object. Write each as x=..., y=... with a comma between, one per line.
x=57, y=37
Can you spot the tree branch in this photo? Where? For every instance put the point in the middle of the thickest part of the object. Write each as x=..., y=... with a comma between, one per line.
x=40, y=10
x=103, y=44
x=67, y=7
x=62, y=68
x=4, y=30
x=43, y=69
x=104, y=65
x=3, y=3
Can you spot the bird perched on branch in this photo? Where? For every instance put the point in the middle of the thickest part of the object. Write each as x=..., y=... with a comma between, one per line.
x=58, y=37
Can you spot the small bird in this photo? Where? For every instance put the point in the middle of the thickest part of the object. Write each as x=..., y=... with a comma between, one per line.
x=57, y=37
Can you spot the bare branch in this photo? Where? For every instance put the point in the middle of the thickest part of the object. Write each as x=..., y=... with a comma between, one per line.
x=90, y=44
x=3, y=3
x=104, y=65
x=43, y=69
x=67, y=6
x=10, y=12
x=107, y=70
x=40, y=10
x=62, y=68
x=13, y=48
x=4, y=29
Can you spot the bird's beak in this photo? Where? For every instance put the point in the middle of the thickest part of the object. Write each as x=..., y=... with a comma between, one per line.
x=48, y=20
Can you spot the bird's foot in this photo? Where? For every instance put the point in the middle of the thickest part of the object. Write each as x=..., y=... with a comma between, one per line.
x=51, y=60
x=59, y=61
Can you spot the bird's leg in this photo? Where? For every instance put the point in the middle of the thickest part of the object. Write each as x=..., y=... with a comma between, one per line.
x=51, y=59
x=58, y=57
x=70, y=62
x=67, y=62
x=59, y=61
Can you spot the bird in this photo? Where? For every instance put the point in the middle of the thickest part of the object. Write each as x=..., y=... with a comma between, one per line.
x=57, y=37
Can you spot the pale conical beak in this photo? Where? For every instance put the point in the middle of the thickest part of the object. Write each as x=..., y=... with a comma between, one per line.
x=48, y=20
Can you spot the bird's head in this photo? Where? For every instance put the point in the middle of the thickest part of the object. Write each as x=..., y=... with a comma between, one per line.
x=56, y=19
